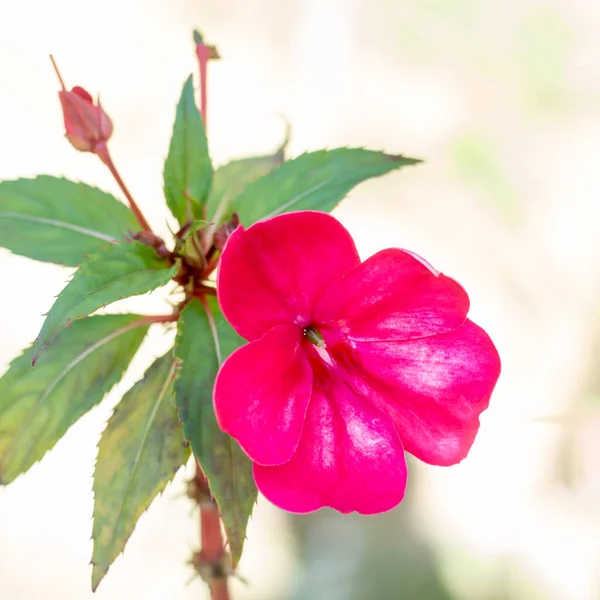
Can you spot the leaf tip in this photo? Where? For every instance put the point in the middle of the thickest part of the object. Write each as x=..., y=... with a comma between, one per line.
x=406, y=160
x=98, y=574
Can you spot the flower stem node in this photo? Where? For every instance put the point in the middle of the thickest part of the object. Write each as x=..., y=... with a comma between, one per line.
x=199, y=494
x=211, y=570
x=222, y=233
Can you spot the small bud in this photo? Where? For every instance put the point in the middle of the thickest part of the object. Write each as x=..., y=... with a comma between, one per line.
x=223, y=232
x=87, y=126
x=204, y=51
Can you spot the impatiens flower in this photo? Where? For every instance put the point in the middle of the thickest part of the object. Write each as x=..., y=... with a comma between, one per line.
x=349, y=364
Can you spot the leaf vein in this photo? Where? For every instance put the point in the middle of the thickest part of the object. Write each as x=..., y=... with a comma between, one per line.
x=61, y=224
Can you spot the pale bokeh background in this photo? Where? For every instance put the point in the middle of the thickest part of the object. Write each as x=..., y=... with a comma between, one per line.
x=501, y=99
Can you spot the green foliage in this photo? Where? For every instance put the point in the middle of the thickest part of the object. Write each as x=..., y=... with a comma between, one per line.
x=37, y=406
x=59, y=221
x=203, y=342
x=140, y=451
x=118, y=272
x=188, y=169
x=313, y=181
x=231, y=179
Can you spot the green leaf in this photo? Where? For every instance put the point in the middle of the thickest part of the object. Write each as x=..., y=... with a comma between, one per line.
x=188, y=169
x=313, y=181
x=118, y=272
x=231, y=179
x=201, y=349
x=37, y=406
x=140, y=451
x=59, y=221
x=185, y=234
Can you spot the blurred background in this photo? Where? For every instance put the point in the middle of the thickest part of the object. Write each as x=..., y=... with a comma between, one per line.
x=501, y=100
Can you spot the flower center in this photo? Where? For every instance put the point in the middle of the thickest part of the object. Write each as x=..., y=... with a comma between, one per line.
x=314, y=336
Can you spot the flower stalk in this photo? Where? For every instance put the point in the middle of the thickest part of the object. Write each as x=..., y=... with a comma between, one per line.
x=105, y=157
x=212, y=562
x=88, y=129
x=204, y=53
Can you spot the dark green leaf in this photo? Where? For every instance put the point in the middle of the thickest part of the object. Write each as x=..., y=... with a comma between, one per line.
x=313, y=181
x=188, y=169
x=37, y=406
x=60, y=221
x=118, y=272
x=201, y=348
x=198, y=37
x=140, y=451
x=231, y=179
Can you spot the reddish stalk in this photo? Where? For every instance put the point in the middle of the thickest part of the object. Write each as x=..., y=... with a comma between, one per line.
x=211, y=560
x=102, y=152
x=202, y=290
x=157, y=319
x=203, y=100
x=204, y=54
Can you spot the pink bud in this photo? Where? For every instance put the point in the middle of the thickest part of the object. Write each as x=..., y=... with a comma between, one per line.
x=87, y=125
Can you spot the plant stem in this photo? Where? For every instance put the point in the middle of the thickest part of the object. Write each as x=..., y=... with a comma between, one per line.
x=157, y=319
x=102, y=152
x=62, y=83
x=212, y=553
x=201, y=290
x=203, y=56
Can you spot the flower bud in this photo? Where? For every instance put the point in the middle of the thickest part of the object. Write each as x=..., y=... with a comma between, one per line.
x=87, y=125
x=225, y=230
x=204, y=52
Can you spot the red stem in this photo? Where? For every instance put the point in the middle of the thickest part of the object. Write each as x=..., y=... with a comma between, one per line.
x=202, y=53
x=157, y=319
x=211, y=536
x=212, y=553
x=102, y=152
x=201, y=290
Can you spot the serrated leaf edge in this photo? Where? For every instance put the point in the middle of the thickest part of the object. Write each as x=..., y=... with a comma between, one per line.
x=168, y=381
x=67, y=370
x=93, y=258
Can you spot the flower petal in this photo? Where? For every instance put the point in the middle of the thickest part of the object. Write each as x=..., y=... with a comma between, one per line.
x=349, y=458
x=396, y=295
x=261, y=395
x=434, y=389
x=276, y=270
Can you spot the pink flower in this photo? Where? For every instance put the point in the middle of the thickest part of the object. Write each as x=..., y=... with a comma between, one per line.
x=349, y=365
